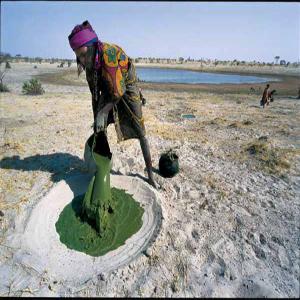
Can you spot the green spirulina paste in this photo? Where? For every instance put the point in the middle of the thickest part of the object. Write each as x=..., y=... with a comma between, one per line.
x=76, y=233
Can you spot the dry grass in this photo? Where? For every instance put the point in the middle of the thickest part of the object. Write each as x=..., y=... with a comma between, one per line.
x=66, y=77
x=270, y=158
x=239, y=124
x=216, y=184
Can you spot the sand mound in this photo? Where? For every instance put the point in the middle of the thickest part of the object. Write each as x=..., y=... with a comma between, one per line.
x=42, y=249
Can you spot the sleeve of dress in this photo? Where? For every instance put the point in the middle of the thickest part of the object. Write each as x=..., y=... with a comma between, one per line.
x=116, y=66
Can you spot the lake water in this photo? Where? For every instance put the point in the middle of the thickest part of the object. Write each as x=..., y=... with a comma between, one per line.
x=183, y=76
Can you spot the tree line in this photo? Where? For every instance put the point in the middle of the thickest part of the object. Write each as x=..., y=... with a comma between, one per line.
x=6, y=57
x=215, y=62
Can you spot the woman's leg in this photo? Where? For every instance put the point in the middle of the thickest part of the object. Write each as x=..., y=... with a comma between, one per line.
x=147, y=157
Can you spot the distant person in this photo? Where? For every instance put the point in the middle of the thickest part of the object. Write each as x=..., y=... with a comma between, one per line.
x=142, y=97
x=265, y=97
x=298, y=93
x=112, y=79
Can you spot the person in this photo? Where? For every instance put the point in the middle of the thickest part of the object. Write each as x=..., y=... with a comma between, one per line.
x=112, y=81
x=265, y=97
x=142, y=97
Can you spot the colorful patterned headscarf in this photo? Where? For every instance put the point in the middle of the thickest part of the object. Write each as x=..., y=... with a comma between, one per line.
x=83, y=35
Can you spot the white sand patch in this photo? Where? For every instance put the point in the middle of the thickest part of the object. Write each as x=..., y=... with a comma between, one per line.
x=42, y=249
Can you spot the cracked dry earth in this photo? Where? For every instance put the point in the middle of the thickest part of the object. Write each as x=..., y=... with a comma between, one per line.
x=231, y=215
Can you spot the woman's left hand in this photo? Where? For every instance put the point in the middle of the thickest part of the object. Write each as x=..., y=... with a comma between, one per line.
x=100, y=121
x=101, y=118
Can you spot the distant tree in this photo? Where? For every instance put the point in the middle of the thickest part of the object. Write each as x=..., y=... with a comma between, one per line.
x=7, y=65
x=282, y=62
x=181, y=59
x=276, y=59
x=5, y=55
x=18, y=55
x=234, y=62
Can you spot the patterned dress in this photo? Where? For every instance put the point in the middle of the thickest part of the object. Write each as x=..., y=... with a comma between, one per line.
x=116, y=82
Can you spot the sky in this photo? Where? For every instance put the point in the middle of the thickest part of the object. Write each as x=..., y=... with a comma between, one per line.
x=211, y=30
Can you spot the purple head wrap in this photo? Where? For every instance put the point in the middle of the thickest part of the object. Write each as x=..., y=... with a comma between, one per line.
x=84, y=35
x=81, y=34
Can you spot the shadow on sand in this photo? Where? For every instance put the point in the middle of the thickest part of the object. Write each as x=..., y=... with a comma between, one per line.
x=62, y=166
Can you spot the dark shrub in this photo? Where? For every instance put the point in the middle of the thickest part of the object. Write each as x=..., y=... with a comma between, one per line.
x=3, y=88
x=32, y=87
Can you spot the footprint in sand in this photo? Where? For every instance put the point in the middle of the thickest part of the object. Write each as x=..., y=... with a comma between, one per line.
x=277, y=240
x=195, y=235
x=283, y=258
x=262, y=239
x=253, y=289
x=259, y=253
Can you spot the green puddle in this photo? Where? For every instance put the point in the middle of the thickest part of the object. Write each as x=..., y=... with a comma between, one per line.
x=81, y=236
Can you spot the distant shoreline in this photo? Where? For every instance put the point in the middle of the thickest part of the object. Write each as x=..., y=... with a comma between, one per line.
x=287, y=86
x=231, y=72
x=277, y=71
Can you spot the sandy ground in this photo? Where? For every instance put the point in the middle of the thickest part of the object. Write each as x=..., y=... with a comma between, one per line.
x=231, y=225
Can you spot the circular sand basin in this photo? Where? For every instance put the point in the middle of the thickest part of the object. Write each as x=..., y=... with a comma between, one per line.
x=42, y=249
